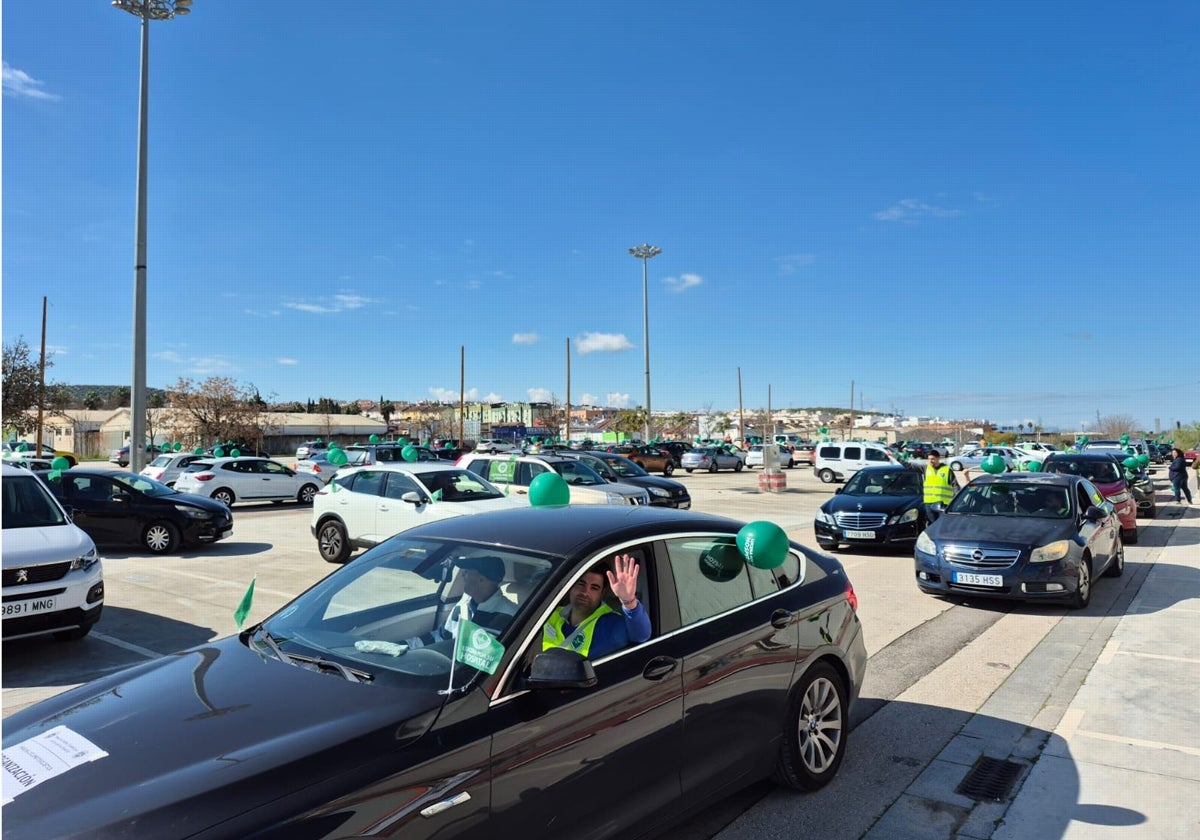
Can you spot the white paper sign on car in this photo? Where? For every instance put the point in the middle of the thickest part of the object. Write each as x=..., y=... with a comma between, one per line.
x=42, y=757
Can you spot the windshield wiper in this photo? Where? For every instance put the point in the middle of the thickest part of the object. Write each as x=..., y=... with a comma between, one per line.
x=270, y=640
x=316, y=663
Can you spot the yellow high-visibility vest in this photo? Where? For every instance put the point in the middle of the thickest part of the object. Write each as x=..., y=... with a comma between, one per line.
x=937, y=485
x=580, y=639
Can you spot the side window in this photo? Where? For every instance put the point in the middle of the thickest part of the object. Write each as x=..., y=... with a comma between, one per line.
x=529, y=472
x=369, y=482
x=271, y=467
x=710, y=576
x=398, y=484
x=853, y=453
x=831, y=452
x=876, y=455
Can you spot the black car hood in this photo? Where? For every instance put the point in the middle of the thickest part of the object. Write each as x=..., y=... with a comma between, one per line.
x=195, y=500
x=218, y=729
x=873, y=503
x=1023, y=531
x=653, y=481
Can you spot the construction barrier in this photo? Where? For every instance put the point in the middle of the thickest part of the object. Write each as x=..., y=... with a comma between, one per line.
x=772, y=481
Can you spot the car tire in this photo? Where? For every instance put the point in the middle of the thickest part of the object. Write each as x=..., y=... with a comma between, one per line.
x=1130, y=537
x=1083, y=590
x=738, y=466
x=307, y=493
x=687, y=469
x=815, y=731
x=826, y=476
x=1116, y=566
x=956, y=466
x=712, y=468
x=74, y=634
x=225, y=496
x=332, y=543
x=160, y=537
x=668, y=469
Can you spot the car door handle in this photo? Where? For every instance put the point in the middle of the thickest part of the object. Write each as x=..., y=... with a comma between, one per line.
x=445, y=804
x=780, y=619
x=659, y=667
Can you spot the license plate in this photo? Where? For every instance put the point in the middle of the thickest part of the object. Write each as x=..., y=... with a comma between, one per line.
x=859, y=535
x=28, y=607
x=978, y=580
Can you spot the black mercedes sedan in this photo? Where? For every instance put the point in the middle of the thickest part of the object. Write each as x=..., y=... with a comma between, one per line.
x=348, y=713
x=1033, y=536
x=123, y=508
x=878, y=506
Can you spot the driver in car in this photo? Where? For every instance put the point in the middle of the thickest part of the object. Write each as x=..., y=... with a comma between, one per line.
x=485, y=604
x=589, y=626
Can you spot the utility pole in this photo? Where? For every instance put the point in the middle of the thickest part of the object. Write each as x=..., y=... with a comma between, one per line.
x=850, y=422
x=567, y=419
x=741, y=414
x=37, y=445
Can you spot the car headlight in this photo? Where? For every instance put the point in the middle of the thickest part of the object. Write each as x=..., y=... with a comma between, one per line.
x=909, y=515
x=1048, y=553
x=617, y=499
x=85, y=561
x=658, y=491
x=827, y=518
x=1119, y=498
x=193, y=513
x=925, y=544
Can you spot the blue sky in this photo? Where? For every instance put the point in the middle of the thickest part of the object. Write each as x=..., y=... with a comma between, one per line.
x=966, y=209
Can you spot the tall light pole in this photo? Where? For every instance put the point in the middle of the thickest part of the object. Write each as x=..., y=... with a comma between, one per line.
x=645, y=253
x=147, y=10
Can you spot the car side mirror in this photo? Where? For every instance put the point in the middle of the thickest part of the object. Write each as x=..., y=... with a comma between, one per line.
x=838, y=490
x=560, y=668
x=413, y=498
x=1094, y=514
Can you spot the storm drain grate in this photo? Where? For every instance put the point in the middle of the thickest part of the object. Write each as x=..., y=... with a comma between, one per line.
x=990, y=778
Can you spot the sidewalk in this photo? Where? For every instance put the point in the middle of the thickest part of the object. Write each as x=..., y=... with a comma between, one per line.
x=1100, y=726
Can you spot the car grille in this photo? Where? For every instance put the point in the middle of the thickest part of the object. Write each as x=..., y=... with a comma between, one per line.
x=36, y=574
x=980, y=558
x=860, y=520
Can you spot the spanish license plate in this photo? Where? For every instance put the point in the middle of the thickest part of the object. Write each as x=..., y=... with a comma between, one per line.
x=28, y=607
x=858, y=535
x=978, y=580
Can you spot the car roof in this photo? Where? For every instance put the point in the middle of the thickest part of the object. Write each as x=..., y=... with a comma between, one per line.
x=571, y=530
x=1047, y=479
x=404, y=466
x=1101, y=455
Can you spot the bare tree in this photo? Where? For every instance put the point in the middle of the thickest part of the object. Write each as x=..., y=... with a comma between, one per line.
x=22, y=389
x=1115, y=425
x=219, y=408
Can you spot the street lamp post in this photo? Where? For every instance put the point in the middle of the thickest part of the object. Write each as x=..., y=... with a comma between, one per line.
x=645, y=253
x=146, y=10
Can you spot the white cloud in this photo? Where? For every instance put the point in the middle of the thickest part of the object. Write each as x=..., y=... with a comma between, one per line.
x=283, y=360
x=447, y=395
x=539, y=394
x=53, y=350
x=908, y=210
x=324, y=306
x=169, y=356
x=525, y=338
x=210, y=366
x=791, y=263
x=617, y=400
x=22, y=85
x=683, y=281
x=492, y=397
x=588, y=399
x=602, y=343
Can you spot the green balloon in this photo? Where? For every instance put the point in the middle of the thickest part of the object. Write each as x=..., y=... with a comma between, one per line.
x=22, y=447
x=409, y=453
x=723, y=562
x=549, y=490
x=337, y=457
x=993, y=464
x=60, y=463
x=1124, y=439
x=1143, y=461
x=177, y=446
x=235, y=453
x=763, y=544
x=373, y=439
x=1034, y=466
x=1129, y=450
x=219, y=452
x=1131, y=463
x=199, y=450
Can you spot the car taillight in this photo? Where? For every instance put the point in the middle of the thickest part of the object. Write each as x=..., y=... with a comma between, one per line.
x=204, y=476
x=316, y=468
x=851, y=597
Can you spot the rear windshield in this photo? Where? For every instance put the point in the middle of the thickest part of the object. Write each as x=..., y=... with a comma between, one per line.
x=27, y=504
x=1096, y=471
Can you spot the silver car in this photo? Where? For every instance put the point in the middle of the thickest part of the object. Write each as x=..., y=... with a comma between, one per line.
x=249, y=479
x=712, y=458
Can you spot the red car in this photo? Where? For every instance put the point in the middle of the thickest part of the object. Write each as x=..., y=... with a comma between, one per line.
x=1103, y=470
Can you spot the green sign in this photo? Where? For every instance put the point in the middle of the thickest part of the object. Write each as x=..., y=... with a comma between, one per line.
x=477, y=648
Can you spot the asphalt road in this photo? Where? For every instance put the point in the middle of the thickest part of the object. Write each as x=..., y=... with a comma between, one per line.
x=910, y=702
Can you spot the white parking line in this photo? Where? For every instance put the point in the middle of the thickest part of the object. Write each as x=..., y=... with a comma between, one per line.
x=115, y=642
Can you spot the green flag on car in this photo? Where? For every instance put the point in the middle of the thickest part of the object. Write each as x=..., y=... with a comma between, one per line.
x=477, y=648
x=243, y=609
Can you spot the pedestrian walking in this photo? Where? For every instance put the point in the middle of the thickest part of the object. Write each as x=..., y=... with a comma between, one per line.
x=1177, y=472
x=940, y=485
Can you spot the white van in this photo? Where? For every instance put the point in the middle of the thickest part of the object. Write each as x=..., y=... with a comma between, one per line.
x=839, y=461
x=53, y=579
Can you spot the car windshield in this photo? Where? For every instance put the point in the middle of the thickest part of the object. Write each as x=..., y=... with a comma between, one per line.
x=884, y=482
x=27, y=504
x=143, y=484
x=162, y=461
x=624, y=467
x=575, y=472
x=457, y=485
x=1098, y=471
x=1005, y=499
x=392, y=615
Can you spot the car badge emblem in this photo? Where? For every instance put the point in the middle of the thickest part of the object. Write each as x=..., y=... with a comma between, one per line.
x=860, y=507
x=977, y=555
x=22, y=575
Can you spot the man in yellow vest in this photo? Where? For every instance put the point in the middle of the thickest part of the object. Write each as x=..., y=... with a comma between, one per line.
x=940, y=486
x=590, y=627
